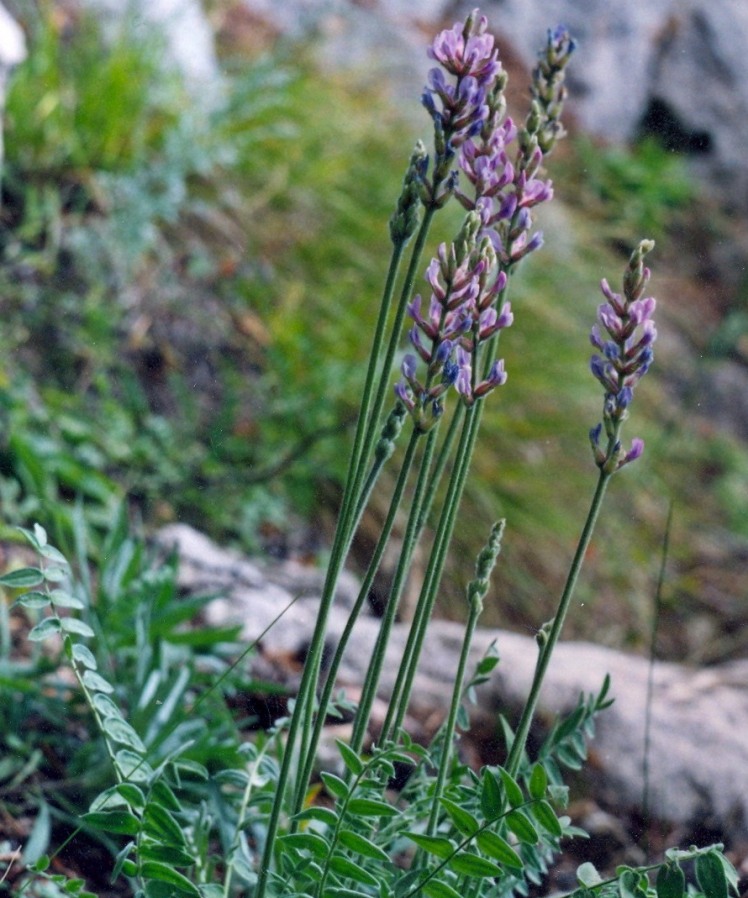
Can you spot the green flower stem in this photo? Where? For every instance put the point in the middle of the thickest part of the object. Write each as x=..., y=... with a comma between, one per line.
x=441, y=463
x=406, y=675
x=476, y=593
x=341, y=544
x=451, y=722
x=384, y=449
x=410, y=538
x=324, y=702
x=546, y=650
x=374, y=410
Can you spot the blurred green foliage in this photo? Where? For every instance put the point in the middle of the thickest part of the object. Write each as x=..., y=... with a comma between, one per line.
x=187, y=294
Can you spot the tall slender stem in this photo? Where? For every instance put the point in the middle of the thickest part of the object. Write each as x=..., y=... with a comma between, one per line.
x=546, y=650
x=339, y=551
x=374, y=671
x=331, y=675
x=404, y=682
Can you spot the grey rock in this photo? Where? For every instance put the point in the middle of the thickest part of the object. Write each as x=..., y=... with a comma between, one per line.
x=698, y=717
x=12, y=52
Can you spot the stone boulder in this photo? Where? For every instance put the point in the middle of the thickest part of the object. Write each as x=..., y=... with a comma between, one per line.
x=12, y=52
x=697, y=746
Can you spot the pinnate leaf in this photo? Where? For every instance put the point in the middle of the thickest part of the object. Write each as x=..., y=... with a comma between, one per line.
x=113, y=822
x=439, y=846
x=350, y=758
x=490, y=796
x=522, y=828
x=335, y=785
x=512, y=789
x=166, y=874
x=370, y=807
x=344, y=866
x=22, y=578
x=472, y=865
x=363, y=846
x=33, y=600
x=50, y=626
x=462, y=819
x=314, y=844
x=73, y=625
x=498, y=849
x=437, y=888
x=710, y=874
x=671, y=881
x=538, y=783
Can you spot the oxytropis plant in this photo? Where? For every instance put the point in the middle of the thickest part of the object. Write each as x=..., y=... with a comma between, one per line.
x=450, y=830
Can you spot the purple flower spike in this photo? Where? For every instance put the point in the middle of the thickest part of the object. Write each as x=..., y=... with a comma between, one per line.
x=627, y=356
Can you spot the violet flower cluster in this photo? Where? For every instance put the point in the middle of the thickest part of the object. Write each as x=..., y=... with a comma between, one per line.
x=624, y=335
x=465, y=97
x=465, y=285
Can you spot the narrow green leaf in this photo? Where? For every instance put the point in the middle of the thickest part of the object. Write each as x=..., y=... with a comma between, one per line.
x=113, y=822
x=546, y=817
x=36, y=537
x=439, y=846
x=486, y=665
x=84, y=656
x=132, y=795
x=334, y=785
x=512, y=789
x=104, y=705
x=437, y=888
x=363, y=846
x=538, y=783
x=568, y=757
x=710, y=875
x=196, y=769
x=95, y=682
x=338, y=892
x=314, y=844
x=163, y=794
x=588, y=876
x=22, y=578
x=369, y=807
x=161, y=826
x=52, y=554
x=108, y=799
x=498, y=849
x=40, y=865
x=464, y=822
x=164, y=873
x=62, y=599
x=490, y=796
x=121, y=859
x=350, y=758
x=38, y=841
x=54, y=574
x=132, y=766
x=322, y=815
x=50, y=626
x=522, y=827
x=165, y=854
x=120, y=731
x=33, y=600
x=73, y=625
x=344, y=866
x=472, y=865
